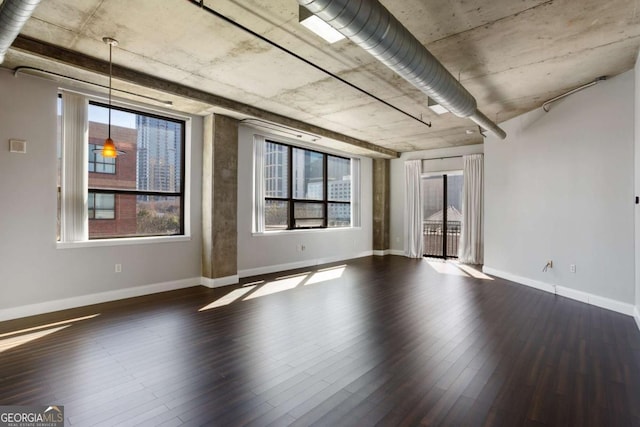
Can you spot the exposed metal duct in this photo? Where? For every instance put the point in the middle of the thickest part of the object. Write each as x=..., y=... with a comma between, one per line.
x=371, y=26
x=13, y=15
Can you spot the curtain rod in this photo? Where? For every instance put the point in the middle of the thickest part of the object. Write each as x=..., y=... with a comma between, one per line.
x=450, y=157
x=40, y=70
x=442, y=158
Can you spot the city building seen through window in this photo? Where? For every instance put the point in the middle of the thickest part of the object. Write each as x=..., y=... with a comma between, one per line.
x=305, y=188
x=140, y=192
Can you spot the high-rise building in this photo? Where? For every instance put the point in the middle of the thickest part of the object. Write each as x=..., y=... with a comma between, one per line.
x=308, y=180
x=159, y=146
x=276, y=170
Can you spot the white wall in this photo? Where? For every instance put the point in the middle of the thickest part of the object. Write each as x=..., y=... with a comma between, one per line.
x=397, y=182
x=637, y=184
x=260, y=253
x=560, y=188
x=32, y=270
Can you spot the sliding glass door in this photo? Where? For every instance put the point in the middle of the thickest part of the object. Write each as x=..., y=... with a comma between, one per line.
x=442, y=213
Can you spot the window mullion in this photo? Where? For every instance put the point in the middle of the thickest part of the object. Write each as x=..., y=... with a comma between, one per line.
x=290, y=185
x=325, y=189
x=183, y=183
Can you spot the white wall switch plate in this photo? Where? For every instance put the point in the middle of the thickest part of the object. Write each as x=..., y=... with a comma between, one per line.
x=17, y=146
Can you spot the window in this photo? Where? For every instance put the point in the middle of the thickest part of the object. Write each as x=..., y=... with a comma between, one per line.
x=99, y=164
x=305, y=188
x=339, y=189
x=102, y=205
x=139, y=193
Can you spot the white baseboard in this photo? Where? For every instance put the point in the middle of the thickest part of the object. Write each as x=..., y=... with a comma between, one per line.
x=299, y=264
x=596, y=300
x=381, y=253
x=81, y=301
x=574, y=294
x=636, y=315
x=519, y=279
x=388, y=252
x=219, y=281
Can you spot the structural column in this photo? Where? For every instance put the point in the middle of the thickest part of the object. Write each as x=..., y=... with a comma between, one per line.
x=220, y=201
x=381, y=209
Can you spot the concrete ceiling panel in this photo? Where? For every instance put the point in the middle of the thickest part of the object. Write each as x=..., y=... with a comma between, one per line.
x=433, y=20
x=68, y=15
x=511, y=56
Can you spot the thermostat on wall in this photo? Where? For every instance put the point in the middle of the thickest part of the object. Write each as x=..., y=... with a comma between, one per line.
x=17, y=146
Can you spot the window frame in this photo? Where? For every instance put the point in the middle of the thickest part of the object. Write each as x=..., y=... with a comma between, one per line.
x=117, y=191
x=71, y=216
x=93, y=159
x=293, y=201
x=92, y=206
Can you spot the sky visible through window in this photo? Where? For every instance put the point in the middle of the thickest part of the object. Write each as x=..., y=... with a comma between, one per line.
x=118, y=118
x=101, y=115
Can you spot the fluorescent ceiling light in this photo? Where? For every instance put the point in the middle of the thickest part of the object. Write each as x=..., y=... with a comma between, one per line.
x=318, y=26
x=436, y=108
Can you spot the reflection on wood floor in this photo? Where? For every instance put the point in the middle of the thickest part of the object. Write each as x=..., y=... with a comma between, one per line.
x=376, y=340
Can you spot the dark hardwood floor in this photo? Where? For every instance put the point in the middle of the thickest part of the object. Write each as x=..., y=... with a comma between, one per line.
x=383, y=341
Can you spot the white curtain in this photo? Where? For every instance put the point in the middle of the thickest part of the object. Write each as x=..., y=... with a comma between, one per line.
x=258, y=182
x=471, y=249
x=413, y=239
x=74, y=217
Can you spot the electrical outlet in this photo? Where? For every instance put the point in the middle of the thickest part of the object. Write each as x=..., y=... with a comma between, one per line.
x=118, y=268
x=572, y=268
x=550, y=264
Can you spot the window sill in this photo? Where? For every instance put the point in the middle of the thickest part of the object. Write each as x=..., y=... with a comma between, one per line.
x=305, y=231
x=122, y=242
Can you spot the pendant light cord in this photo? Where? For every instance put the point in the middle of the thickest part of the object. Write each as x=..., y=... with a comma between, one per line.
x=110, y=73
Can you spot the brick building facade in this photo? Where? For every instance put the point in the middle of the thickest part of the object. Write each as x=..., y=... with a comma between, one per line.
x=113, y=173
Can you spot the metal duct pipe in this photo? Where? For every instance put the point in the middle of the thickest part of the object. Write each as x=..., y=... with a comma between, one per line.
x=13, y=15
x=483, y=121
x=371, y=26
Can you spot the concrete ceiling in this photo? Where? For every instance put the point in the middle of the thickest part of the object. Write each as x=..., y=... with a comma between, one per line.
x=511, y=55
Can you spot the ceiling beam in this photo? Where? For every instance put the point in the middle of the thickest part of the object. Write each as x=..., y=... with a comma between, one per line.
x=89, y=63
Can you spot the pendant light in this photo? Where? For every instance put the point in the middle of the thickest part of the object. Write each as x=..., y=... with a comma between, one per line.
x=109, y=148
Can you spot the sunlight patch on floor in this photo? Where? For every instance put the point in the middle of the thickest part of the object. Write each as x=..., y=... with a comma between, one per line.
x=304, y=274
x=48, y=325
x=257, y=282
x=276, y=286
x=229, y=298
x=326, y=274
x=13, y=339
x=12, y=342
x=473, y=272
x=455, y=268
x=261, y=288
x=443, y=267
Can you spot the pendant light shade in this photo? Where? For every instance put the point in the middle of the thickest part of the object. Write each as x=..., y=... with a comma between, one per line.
x=109, y=149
